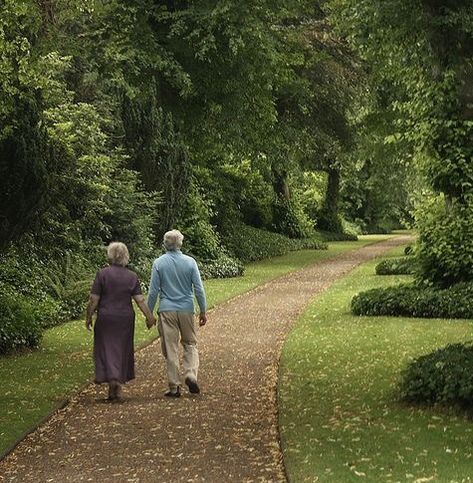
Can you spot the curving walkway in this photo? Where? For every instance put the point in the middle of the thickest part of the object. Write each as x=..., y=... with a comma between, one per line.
x=228, y=433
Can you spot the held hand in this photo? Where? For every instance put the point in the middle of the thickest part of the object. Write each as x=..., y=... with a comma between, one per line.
x=202, y=319
x=88, y=324
x=150, y=322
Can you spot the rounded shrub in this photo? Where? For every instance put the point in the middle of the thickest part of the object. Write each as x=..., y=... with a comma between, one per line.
x=397, y=266
x=222, y=267
x=444, y=376
x=20, y=325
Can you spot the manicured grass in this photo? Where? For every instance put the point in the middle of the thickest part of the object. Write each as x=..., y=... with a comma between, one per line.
x=340, y=417
x=35, y=382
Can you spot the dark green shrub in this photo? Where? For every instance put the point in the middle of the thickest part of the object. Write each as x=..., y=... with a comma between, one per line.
x=444, y=376
x=333, y=236
x=397, y=266
x=223, y=267
x=445, y=247
x=249, y=244
x=416, y=301
x=20, y=325
x=290, y=219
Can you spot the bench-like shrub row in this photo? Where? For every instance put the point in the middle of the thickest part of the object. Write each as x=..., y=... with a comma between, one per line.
x=443, y=376
x=410, y=300
x=397, y=266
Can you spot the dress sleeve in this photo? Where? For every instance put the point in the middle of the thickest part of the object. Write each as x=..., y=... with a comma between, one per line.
x=137, y=288
x=97, y=286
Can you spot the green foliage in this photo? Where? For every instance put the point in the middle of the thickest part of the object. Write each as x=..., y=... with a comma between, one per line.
x=410, y=300
x=248, y=243
x=222, y=267
x=27, y=159
x=445, y=247
x=420, y=56
x=241, y=192
x=159, y=154
x=19, y=324
x=329, y=236
x=444, y=376
x=397, y=266
x=290, y=219
x=200, y=238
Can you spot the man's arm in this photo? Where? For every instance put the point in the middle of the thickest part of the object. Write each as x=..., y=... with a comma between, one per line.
x=154, y=287
x=200, y=294
x=150, y=319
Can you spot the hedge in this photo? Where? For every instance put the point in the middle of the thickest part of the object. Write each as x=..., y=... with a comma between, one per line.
x=412, y=300
x=249, y=244
x=443, y=376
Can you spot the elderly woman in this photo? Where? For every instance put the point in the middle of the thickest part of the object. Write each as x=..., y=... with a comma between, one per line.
x=112, y=292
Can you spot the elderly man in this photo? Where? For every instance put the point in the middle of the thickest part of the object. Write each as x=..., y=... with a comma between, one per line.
x=174, y=278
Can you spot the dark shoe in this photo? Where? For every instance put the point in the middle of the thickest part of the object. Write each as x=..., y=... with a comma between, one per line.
x=113, y=390
x=192, y=385
x=176, y=393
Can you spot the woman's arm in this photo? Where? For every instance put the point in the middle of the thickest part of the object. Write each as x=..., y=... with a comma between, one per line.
x=91, y=308
x=150, y=319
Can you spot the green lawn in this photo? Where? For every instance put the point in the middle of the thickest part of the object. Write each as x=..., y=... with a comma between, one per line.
x=339, y=415
x=34, y=382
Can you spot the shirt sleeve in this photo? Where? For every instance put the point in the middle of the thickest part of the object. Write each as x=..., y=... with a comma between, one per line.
x=199, y=288
x=154, y=287
x=137, y=288
x=97, y=286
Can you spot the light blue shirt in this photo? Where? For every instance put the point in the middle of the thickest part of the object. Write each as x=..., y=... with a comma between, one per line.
x=174, y=278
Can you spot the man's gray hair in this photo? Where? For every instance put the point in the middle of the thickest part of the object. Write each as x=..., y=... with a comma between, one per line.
x=117, y=254
x=172, y=240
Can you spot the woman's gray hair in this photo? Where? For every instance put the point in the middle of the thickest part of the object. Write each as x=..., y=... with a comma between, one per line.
x=117, y=254
x=172, y=240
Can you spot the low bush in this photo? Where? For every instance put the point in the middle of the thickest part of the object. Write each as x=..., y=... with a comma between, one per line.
x=248, y=244
x=20, y=323
x=444, y=376
x=397, y=266
x=412, y=300
x=329, y=236
x=223, y=267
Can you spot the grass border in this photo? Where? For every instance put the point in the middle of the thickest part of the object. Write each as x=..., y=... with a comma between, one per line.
x=279, y=365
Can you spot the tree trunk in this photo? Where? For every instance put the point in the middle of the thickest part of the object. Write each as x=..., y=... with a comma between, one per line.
x=280, y=184
x=332, y=195
x=328, y=217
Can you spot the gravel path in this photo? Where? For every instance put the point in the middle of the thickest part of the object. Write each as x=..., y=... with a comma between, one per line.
x=228, y=433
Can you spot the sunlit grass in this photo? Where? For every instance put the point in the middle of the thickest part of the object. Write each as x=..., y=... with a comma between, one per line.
x=339, y=413
x=34, y=382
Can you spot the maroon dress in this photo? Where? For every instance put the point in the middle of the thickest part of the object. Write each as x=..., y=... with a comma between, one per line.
x=115, y=325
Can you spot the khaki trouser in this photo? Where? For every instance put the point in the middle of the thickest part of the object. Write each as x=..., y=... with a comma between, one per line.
x=175, y=327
